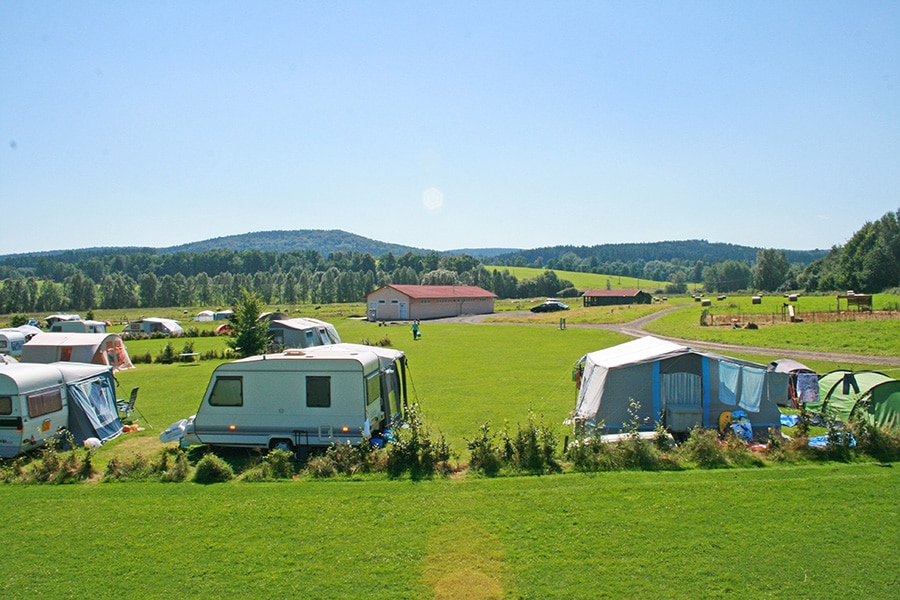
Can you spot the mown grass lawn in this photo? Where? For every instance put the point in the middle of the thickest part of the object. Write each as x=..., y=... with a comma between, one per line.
x=809, y=532
x=461, y=375
x=801, y=531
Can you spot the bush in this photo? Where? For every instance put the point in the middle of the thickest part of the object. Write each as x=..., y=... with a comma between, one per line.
x=173, y=472
x=702, y=448
x=590, y=454
x=144, y=358
x=139, y=468
x=167, y=356
x=188, y=348
x=880, y=443
x=212, y=469
x=276, y=464
x=415, y=450
x=738, y=454
x=532, y=448
x=485, y=455
x=321, y=467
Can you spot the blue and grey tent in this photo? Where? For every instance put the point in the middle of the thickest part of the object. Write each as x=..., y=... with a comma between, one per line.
x=649, y=381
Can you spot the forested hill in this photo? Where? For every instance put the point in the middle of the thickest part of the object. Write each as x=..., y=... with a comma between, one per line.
x=686, y=252
x=322, y=241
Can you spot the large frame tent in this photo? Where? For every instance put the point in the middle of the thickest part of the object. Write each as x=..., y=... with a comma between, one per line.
x=652, y=381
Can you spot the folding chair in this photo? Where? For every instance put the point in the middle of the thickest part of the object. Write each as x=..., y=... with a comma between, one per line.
x=126, y=407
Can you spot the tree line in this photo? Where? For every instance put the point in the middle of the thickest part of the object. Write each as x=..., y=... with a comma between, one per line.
x=219, y=277
x=141, y=277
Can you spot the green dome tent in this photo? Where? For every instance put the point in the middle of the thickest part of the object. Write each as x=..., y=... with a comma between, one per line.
x=880, y=405
x=841, y=390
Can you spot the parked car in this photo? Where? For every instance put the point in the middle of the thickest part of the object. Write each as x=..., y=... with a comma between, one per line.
x=550, y=306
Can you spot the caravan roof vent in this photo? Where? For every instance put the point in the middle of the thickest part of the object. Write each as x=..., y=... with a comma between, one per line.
x=294, y=352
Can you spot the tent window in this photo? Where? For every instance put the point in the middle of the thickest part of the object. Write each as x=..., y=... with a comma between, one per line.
x=685, y=389
x=44, y=403
x=318, y=391
x=5, y=405
x=227, y=391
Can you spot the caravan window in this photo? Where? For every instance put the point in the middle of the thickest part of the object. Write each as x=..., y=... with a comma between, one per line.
x=227, y=391
x=5, y=405
x=318, y=391
x=44, y=403
x=373, y=388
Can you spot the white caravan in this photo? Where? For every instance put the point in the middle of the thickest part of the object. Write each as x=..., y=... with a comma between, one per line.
x=33, y=407
x=11, y=342
x=38, y=401
x=300, y=399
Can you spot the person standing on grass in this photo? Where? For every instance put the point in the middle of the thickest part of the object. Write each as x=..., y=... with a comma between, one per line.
x=415, y=329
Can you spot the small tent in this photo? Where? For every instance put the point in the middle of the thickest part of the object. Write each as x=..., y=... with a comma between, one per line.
x=94, y=348
x=801, y=382
x=880, y=405
x=92, y=401
x=655, y=381
x=840, y=390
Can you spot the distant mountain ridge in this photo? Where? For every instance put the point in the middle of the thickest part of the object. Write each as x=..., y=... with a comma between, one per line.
x=329, y=241
x=323, y=241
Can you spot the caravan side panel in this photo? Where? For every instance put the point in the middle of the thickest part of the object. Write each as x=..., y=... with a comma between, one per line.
x=33, y=408
x=254, y=406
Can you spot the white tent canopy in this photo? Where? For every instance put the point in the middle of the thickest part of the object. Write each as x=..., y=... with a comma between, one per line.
x=97, y=348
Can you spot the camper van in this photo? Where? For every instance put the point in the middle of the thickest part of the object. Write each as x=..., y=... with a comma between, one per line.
x=11, y=342
x=300, y=399
x=38, y=401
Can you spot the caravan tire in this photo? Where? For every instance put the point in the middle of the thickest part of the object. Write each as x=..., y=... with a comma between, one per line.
x=285, y=445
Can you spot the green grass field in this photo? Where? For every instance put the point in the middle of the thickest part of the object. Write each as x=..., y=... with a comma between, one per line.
x=806, y=532
x=845, y=336
x=584, y=281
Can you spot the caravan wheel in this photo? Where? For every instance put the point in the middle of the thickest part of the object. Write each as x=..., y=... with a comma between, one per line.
x=285, y=445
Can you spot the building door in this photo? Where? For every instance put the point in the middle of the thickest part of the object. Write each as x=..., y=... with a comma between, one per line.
x=404, y=312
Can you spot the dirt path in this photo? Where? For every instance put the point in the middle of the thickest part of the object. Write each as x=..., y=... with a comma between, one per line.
x=636, y=329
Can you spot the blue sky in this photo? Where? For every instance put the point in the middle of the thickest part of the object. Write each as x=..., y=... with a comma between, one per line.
x=448, y=125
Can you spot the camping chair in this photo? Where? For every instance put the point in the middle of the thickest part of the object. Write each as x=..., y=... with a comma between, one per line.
x=126, y=407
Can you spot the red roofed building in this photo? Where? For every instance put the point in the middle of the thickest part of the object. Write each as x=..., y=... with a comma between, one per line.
x=409, y=302
x=611, y=297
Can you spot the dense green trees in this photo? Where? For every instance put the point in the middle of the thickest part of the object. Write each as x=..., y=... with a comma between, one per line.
x=141, y=279
x=771, y=270
x=251, y=334
x=79, y=280
x=869, y=262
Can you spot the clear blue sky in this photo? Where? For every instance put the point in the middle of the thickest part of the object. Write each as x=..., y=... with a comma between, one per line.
x=447, y=124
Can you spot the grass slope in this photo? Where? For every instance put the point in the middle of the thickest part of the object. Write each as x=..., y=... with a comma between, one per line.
x=583, y=281
x=710, y=534
x=848, y=336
